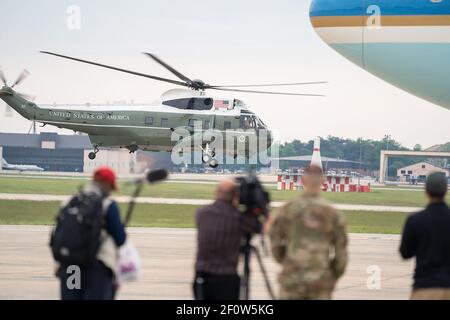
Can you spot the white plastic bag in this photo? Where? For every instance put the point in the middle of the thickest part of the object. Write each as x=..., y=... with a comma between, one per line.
x=129, y=262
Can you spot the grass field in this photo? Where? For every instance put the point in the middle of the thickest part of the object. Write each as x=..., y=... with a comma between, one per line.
x=182, y=216
x=205, y=191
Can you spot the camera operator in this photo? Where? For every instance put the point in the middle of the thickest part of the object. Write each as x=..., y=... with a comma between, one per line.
x=221, y=227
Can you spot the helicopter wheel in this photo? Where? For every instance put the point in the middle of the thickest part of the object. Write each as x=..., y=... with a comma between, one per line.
x=214, y=163
x=208, y=153
x=206, y=158
x=93, y=154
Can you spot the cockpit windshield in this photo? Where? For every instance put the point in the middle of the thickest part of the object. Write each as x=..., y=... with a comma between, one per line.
x=239, y=103
x=250, y=121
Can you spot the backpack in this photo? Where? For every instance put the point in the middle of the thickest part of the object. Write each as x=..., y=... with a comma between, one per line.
x=75, y=240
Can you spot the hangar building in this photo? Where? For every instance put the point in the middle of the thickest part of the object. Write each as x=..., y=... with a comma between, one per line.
x=327, y=163
x=420, y=171
x=64, y=153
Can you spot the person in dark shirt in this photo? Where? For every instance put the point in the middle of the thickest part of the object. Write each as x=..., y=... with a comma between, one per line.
x=221, y=227
x=426, y=236
x=98, y=280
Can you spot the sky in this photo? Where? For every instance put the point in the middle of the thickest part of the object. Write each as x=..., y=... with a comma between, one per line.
x=220, y=42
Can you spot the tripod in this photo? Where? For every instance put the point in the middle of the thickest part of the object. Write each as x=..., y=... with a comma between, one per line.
x=246, y=249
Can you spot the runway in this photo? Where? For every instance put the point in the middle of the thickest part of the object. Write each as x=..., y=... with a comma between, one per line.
x=26, y=267
x=199, y=202
x=192, y=178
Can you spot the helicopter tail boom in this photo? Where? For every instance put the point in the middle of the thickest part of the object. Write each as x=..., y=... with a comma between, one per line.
x=24, y=107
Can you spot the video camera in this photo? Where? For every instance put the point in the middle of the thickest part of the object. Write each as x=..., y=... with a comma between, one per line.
x=253, y=197
x=255, y=200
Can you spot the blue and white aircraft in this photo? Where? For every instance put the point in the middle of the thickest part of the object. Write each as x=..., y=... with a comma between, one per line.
x=404, y=42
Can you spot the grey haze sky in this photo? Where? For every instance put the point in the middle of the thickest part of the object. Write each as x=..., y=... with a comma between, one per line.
x=220, y=42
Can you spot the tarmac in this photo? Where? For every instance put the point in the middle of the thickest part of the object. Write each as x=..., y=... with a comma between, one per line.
x=375, y=270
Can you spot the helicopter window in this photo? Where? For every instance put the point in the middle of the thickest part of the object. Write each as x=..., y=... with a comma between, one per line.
x=238, y=103
x=190, y=103
x=248, y=122
x=148, y=121
x=192, y=122
x=260, y=123
x=164, y=122
x=226, y=125
x=208, y=102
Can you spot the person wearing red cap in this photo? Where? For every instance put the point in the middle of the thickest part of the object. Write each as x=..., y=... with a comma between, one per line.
x=105, y=178
x=98, y=280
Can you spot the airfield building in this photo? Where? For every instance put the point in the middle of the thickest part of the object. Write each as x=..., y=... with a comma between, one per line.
x=297, y=162
x=50, y=151
x=63, y=153
x=419, y=171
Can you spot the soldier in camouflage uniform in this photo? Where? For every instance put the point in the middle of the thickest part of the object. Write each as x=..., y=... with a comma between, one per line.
x=308, y=237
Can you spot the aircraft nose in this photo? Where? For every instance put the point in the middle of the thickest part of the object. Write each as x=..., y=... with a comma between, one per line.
x=340, y=25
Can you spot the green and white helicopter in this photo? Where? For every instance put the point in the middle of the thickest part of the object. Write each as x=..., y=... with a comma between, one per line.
x=194, y=118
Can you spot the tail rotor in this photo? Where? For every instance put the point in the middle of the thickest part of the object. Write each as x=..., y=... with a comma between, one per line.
x=22, y=76
x=3, y=78
x=8, y=91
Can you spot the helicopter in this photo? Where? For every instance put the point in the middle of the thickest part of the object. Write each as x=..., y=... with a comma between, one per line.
x=200, y=117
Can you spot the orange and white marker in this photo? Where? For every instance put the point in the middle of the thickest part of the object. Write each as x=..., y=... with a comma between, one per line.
x=316, y=158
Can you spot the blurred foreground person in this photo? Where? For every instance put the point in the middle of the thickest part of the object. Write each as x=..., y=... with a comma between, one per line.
x=220, y=228
x=86, y=239
x=426, y=236
x=308, y=238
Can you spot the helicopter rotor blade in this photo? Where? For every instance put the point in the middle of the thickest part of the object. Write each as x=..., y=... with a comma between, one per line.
x=171, y=69
x=268, y=85
x=118, y=69
x=197, y=85
x=2, y=77
x=22, y=76
x=269, y=92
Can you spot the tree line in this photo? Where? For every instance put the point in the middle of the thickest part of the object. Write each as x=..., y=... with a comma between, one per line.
x=366, y=151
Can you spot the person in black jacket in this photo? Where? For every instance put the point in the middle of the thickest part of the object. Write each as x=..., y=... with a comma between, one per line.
x=426, y=236
x=221, y=227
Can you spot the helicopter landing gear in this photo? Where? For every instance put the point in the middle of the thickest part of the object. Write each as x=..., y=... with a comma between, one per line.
x=132, y=148
x=214, y=163
x=93, y=154
x=208, y=156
